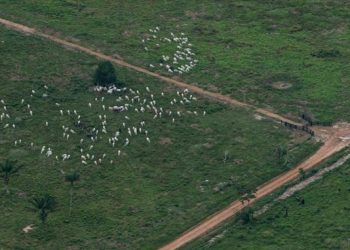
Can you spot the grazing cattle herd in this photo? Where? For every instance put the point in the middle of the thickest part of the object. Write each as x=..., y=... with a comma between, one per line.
x=177, y=56
x=99, y=126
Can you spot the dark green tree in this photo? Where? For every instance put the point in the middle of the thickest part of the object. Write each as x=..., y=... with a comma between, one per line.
x=71, y=178
x=105, y=74
x=7, y=169
x=43, y=205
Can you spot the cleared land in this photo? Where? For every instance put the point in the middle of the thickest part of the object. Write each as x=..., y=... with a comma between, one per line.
x=291, y=56
x=336, y=138
x=209, y=94
x=321, y=223
x=300, y=70
x=139, y=201
x=332, y=145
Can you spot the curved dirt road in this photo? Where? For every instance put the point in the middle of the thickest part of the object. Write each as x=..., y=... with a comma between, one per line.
x=332, y=145
x=212, y=95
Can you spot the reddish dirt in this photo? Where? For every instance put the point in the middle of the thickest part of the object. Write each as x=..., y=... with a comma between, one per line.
x=333, y=143
x=212, y=95
x=335, y=138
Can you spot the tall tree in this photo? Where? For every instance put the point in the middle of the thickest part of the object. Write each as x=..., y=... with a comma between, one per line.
x=43, y=205
x=7, y=169
x=71, y=178
x=105, y=74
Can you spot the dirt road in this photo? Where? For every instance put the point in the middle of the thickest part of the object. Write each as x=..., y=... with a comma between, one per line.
x=331, y=136
x=332, y=145
x=211, y=95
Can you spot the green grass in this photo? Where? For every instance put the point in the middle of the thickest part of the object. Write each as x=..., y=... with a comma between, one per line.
x=150, y=194
x=242, y=46
x=322, y=223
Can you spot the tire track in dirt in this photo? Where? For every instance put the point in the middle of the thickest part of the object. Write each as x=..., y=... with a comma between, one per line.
x=211, y=95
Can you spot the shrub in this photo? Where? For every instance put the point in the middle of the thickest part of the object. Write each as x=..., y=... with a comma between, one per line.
x=326, y=53
x=105, y=74
x=308, y=118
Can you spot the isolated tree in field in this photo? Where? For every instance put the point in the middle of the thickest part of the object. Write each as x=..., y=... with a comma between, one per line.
x=105, y=74
x=7, y=169
x=43, y=205
x=71, y=178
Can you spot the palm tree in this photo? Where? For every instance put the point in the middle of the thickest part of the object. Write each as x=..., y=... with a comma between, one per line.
x=43, y=205
x=7, y=169
x=71, y=178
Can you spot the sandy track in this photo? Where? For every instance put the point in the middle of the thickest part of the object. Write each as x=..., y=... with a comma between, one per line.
x=211, y=95
x=332, y=145
x=332, y=136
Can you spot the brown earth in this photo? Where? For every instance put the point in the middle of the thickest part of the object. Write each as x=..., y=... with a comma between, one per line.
x=335, y=138
x=281, y=85
x=334, y=142
x=211, y=95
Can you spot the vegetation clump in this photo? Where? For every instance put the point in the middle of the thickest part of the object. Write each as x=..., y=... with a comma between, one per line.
x=105, y=74
x=246, y=216
x=324, y=53
x=7, y=169
x=43, y=205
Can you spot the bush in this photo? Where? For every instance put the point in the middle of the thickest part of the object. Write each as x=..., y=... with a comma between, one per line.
x=105, y=74
x=326, y=53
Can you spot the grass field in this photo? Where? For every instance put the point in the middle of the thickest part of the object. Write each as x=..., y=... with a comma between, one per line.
x=153, y=191
x=245, y=48
x=321, y=223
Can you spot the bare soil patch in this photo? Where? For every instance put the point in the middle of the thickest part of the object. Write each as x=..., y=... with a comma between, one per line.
x=115, y=55
x=165, y=141
x=207, y=145
x=258, y=117
x=281, y=85
x=127, y=33
x=204, y=130
x=213, y=88
x=194, y=14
